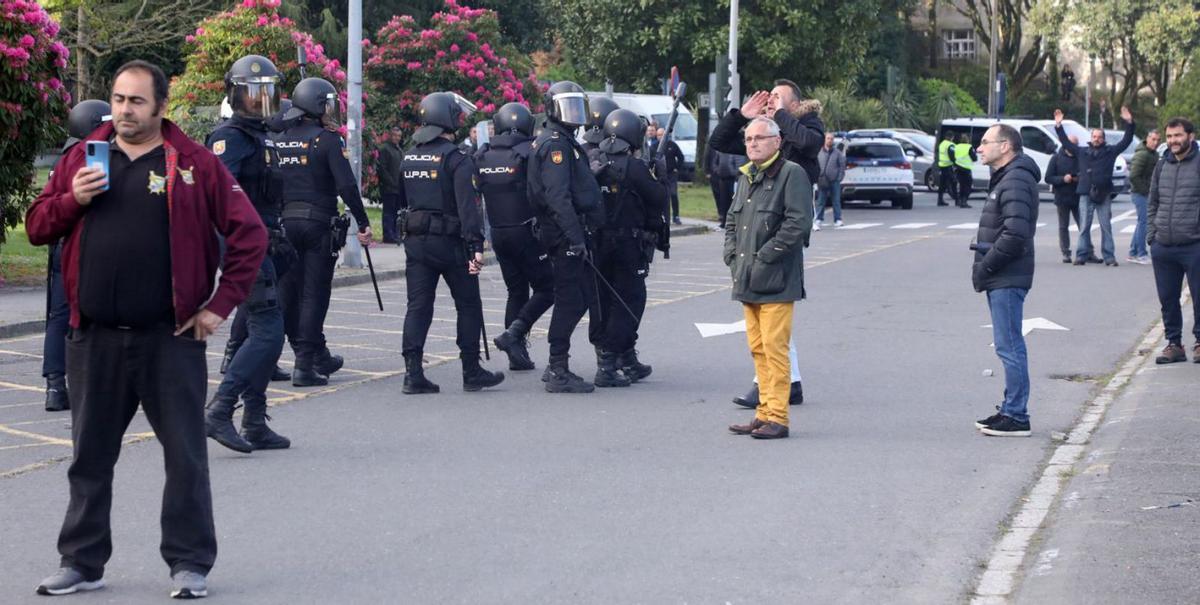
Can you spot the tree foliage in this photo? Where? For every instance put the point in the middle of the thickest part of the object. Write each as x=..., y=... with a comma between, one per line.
x=252, y=27
x=635, y=43
x=1165, y=37
x=1020, y=54
x=1184, y=99
x=33, y=100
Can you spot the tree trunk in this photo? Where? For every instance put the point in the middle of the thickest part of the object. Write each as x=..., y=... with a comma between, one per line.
x=82, y=84
x=935, y=43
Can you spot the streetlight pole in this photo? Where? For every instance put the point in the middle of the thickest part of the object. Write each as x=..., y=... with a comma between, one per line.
x=735, y=93
x=351, y=253
x=995, y=50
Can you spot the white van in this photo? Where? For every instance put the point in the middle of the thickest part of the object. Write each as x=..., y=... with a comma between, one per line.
x=1039, y=140
x=658, y=108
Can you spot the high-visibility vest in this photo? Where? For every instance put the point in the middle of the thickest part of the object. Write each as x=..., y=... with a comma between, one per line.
x=962, y=155
x=944, y=154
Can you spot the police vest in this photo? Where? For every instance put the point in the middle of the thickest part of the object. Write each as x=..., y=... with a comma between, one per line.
x=585, y=195
x=256, y=174
x=502, y=182
x=624, y=209
x=962, y=156
x=428, y=183
x=943, y=157
x=296, y=162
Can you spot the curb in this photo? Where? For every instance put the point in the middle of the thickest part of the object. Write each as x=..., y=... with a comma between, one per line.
x=36, y=326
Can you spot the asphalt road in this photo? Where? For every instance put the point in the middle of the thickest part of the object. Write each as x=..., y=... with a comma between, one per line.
x=884, y=493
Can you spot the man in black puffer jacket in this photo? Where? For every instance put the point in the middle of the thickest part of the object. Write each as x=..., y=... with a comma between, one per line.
x=1173, y=231
x=1004, y=268
x=1062, y=174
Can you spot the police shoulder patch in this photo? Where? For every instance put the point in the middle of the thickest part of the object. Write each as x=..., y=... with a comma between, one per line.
x=556, y=157
x=218, y=147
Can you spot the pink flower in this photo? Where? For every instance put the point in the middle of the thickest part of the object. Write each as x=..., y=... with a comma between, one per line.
x=440, y=54
x=340, y=76
x=508, y=95
x=472, y=36
x=200, y=30
x=414, y=65
x=453, y=48
x=27, y=41
x=262, y=20
x=248, y=3
x=189, y=38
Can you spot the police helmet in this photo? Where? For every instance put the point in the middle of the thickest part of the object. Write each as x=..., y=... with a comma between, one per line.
x=86, y=117
x=567, y=104
x=315, y=98
x=598, y=109
x=513, y=117
x=252, y=87
x=439, y=113
x=623, y=130
x=276, y=123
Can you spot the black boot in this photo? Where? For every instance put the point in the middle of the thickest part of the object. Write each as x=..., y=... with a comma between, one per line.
x=634, y=369
x=56, y=393
x=512, y=342
x=750, y=399
x=415, y=382
x=279, y=374
x=231, y=349
x=255, y=429
x=475, y=378
x=218, y=424
x=308, y=377
x=606, y=370
x=327, y=363
x=560, y=379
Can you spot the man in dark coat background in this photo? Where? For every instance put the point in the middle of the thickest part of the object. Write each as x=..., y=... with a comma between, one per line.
x=1062, y=174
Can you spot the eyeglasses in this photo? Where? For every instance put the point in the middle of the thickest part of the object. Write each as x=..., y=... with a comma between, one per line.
x=760, y=138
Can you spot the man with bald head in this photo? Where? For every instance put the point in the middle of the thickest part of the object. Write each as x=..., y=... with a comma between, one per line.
x=1096, y=162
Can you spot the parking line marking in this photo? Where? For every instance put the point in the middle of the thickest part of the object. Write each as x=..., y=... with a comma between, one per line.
x=912, y=225
x=21, y=387
x=35, y=436
x=964, y=226
x=1129, y=229
x=858, y=226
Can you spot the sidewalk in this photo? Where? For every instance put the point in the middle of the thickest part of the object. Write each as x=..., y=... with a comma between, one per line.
x=1127, y=527
x=23, y=310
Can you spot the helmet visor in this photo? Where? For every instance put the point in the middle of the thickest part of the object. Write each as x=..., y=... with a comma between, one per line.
x=571, y=108
x=333, y=112
x=256, y=97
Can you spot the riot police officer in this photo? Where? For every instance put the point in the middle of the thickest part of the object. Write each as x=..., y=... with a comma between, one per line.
x=244, y=146
x=442, y=230
x=524, y=263
x=598, y=110
x=315, y=172
x=566, y=201
x=635, y=205
x=85, y=117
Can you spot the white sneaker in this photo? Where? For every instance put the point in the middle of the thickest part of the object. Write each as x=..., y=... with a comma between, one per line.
x=816, y=225
x=839, y=224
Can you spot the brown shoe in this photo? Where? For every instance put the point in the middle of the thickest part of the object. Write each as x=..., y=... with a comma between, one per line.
x=1173, y=353
x=746, y=429
x=770, y=430
x=1196, y=353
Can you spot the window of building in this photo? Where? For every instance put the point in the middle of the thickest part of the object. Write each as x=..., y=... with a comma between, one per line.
x=959, y=43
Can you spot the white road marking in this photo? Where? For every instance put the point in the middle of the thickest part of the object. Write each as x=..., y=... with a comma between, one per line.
x=1036, y=323
x=1129, y=229
x=912, y=225
x=710, y=330
x=964, y=226
x=859, y=226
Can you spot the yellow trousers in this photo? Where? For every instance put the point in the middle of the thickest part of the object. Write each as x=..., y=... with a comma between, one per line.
x=768, y=330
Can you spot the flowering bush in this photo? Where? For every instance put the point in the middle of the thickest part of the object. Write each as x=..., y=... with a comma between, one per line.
x=33, y=100
x=251, y=27
x=460, y=52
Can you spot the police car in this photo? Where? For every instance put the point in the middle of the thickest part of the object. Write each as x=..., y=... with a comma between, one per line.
x=876, y=169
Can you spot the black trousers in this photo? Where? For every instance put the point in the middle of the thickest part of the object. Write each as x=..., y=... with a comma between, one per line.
x=672, y=182
x=1172, y=264
x=574, y=295
x=428, y=257
x=1065, y=212
x=964, y=184
x=722, y=190
x=58, y=316
x=110, y=370
x=391, y=209
x=525, y=265
x=947, y=183
x=620, y=262
x=305, y=289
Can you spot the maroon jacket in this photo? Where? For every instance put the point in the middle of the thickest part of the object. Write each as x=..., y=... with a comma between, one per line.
x=203, y=199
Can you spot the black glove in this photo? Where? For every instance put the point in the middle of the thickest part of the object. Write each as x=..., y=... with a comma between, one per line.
x=576, y=250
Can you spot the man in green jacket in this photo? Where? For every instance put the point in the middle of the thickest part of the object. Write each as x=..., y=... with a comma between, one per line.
x=1141, y=169
x=765, y=233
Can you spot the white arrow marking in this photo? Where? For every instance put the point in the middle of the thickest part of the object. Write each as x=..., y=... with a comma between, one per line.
x=859, y=226
x=964, y=226
x=913, y=225
x=1037, y=323
x=710, y=330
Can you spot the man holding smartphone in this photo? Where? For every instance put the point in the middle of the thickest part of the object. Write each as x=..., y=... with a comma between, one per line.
x=140, y=313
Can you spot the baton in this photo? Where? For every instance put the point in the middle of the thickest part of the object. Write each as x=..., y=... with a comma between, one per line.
x=371, y=268
x=487, y=353
x=596, y=272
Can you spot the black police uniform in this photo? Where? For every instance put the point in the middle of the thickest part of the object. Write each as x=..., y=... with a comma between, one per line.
x=244, y=146
x=635, y=204
x=524, y=263
x=442, y=229
x=315, y=171
x=566, y=200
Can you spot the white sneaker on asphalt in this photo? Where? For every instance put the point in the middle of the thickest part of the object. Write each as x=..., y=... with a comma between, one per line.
x=816, y=225
x=68, y=580
x=188, y=585
x=839, y=224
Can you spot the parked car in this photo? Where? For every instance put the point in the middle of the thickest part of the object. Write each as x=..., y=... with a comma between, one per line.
x=920, y=147
x=1039, y=140
x=876, y=169
x=658, y=108
x=1114, y=136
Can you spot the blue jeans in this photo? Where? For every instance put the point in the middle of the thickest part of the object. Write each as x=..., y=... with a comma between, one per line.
x=1007, y=308
x=1103, y=211
x=824, y=194
x=1137, y=247
x=58, y=316
x=250, y=370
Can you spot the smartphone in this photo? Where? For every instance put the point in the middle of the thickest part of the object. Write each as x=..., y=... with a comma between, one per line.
x=97, y=157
